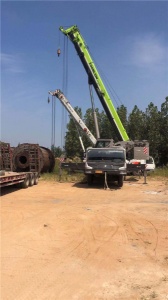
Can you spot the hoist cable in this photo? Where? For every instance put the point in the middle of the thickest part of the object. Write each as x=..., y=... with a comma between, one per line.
x=64, y=88
x=106, y=187
x=94, y=112
x=79, y=135
x=115, y=97
x=53, y=122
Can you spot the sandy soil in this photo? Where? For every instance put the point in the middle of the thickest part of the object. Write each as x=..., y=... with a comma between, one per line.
x=69, y=241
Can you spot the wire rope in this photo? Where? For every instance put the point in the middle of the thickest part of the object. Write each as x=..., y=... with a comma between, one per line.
x=64, y=89
x=111, y=90
x=53, y=122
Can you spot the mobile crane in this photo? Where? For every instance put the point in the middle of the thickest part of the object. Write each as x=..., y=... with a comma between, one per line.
x=137, y=150
x=102, y=159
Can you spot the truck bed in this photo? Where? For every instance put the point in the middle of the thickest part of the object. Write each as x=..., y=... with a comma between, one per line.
x=10, y=178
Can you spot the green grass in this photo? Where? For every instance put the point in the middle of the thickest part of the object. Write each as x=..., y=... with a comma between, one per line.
x=159, y=173
x=63, y=176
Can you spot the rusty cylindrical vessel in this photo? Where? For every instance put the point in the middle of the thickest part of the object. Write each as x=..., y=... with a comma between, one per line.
x=5, y=156
x=32, y=157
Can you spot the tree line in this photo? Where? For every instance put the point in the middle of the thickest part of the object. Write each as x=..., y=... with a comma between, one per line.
x=150, y=125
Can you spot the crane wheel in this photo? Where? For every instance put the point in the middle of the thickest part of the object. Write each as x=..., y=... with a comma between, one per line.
x=120, y=180
x=2, y=173
x=90, y=179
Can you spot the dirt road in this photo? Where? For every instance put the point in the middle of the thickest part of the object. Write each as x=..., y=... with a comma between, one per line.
x=65, y=241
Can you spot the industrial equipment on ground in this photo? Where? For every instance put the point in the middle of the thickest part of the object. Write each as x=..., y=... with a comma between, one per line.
x=23, y=164
x=136, y=151
x=109, y=160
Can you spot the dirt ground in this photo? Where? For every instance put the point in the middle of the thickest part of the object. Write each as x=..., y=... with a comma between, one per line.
x=63, y=241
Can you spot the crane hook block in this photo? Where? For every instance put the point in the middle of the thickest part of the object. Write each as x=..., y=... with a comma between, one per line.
x=58, y=52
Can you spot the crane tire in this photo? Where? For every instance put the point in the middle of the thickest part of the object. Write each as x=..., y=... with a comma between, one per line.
x=2, y=173
x=90, y=179
x=120, y=180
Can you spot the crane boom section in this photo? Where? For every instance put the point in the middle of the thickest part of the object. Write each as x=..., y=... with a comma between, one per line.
x=75, y=36
x=73, y=113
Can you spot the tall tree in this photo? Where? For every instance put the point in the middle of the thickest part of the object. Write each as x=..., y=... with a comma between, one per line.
x=72, y=144
x=89, y=122
x=163, y=145
x=151, y=125
x=136, y=124
x=57, y=151
x=122, y=112
x=153, y=129
x=107, y=130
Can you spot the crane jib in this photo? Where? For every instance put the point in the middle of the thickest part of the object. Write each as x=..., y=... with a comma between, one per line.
x=94, y=78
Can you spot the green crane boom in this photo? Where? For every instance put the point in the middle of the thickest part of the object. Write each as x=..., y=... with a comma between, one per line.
x=74, y=35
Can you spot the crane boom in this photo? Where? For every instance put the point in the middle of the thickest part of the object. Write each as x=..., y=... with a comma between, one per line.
x=73, y=113
x=75, y=36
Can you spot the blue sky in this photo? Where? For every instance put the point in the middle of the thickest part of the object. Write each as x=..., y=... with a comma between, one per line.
x=128, y=40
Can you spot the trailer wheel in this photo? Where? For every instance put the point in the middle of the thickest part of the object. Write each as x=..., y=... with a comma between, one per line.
x=90, y=179
x=36, y=179
x=2, y=173
x=31, y=182
x=25, y=183
x=120, y=180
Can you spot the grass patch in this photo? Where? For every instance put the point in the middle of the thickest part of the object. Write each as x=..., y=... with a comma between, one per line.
x=65, y=176
x=159, y=173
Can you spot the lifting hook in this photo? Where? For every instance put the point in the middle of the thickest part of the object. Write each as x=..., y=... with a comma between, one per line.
x=58, y=52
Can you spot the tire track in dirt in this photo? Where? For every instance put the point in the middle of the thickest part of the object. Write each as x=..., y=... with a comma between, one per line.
x=97, y=231
x=142, y=234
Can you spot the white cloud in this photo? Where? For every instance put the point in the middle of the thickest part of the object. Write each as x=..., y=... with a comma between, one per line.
x=148, y=51
x=12, y=63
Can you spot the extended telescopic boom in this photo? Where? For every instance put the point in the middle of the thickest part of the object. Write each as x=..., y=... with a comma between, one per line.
x=74, y=35
x=69, y=108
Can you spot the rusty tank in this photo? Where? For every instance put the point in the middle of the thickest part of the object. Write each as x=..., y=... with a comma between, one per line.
x=32, y=157
x=5, y=156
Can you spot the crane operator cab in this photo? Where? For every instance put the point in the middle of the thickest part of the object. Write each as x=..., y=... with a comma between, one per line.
x=104, y=143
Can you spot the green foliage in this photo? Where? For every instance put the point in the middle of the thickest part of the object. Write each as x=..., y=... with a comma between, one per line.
x=160, y=172
x=89, y=122
x=62, y=175
x=72, y=143
x=163, y=129
x=122, y=112
x=57, y=151
x=151, y=125
x=136, y=124
x=106, y=129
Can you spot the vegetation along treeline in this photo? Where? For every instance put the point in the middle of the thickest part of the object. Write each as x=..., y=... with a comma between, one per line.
x=151, y=125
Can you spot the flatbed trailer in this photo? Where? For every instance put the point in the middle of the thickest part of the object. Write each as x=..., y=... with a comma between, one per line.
x=25, y=179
